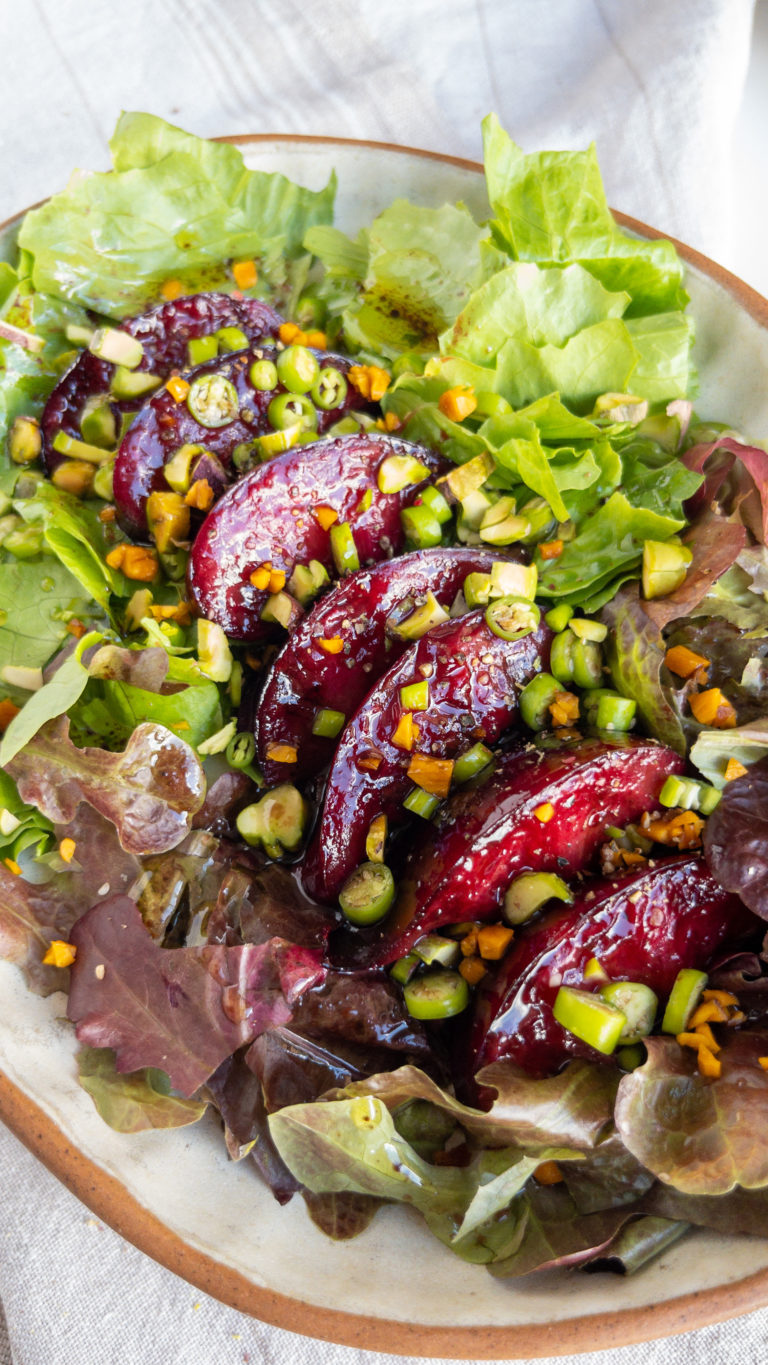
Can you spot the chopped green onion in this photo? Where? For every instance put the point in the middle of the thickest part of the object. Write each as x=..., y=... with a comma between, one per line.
x=528, y=892
x=587, y=663
x=327, y=723
x=688, y=794
x=469, y=764
x=201, y=349
x=231, y=339
x=535, y=700
x=437, y=951
x=683, y=999
x=433, y=499
x=422, y=803
x=557, y=619
x=402, y=970
x=436, y=995
x=561, y=657
x=415, y=697
x=79, y=450
x=608, y=710
x=297, y=369
x=397, y=472
x=97, y=425
x=263, y=375
x=421, y=526
x=589, y=1018
x=367, y=894
x=343, y=548
x=596, y=631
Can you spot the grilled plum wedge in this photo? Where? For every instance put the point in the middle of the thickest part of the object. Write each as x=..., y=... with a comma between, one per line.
x=641, y=926
x=359, y=610
x=270, y=516
x=473, y=678
x=165, y=423
x=164, y=333
x=541, y=810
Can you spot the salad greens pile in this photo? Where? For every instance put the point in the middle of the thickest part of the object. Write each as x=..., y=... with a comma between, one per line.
x=575, y=339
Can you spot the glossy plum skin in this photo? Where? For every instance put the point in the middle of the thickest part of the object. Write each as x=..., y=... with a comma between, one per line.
x=164, y=424
x=641, y=926
x=164, y=333
x=474, y=681
x=304, y=678
x=490, y=833
x=269, y=516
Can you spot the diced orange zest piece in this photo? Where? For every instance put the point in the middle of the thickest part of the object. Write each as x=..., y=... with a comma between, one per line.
x=370, y=381
x=172, y=289
x=12, y=866
x=710, y=1012
x=107, y=514
x=473, y=970
x=325, y=517
x=261, y=576
x=694, y=1040
x=135, y=561
x=403, y=732
x=708, y=1063
x=683, y=661
x=564, y=708
x=60, y=954
x=493, y=941
x=67, y=850
x=457, y=403
x=763, y=1062
x=545, y=812
x=737, y=1017
x=705, y=1032
x=200, y=495
x=468, y=944
x=722, y=997
x=288, y=332
x=276, y=580
x=282, y=753
x=678, y=829
x=179, y=612
x=712, y=708
x=334, y=645
x=177, y=387
x=8, y=710
x=551, y=549
x=76, y=628
x=245, y=274
x=389, y=422
x=548, y=1173
x=370, y=761
x=317, y=339
x=431, y=774
x=733, y=769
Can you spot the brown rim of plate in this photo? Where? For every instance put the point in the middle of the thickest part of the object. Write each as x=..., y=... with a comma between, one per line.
x=111, y=1202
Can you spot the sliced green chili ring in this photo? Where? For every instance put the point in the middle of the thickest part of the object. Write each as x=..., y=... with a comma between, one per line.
x=263, y=375
x=433, y=499
x=688, y=794
x=213, y=401
x=231, y=339
x=286, y=409
x=329, y=389
x=608, y=710
x=469, y=764
x=422, y=803
x=343, y=548
x=328, y=723
x=511, y=618
x=436, y=995
x=435, y=950
x=297, y=369
x=241, y=750
x=535, y=700
x=201, y=349
x=561, y=657
x=402, y=970
x=587, y=663
x=589, y=1018
x=276, y=821
x=421, y=526
x=528, y=892
x=367, y=894
x=415, y=697
x=557, y=619
x=683, y=998
x=637, y=1002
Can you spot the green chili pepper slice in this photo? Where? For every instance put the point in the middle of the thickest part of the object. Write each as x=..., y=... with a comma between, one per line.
x=367, y=894
x=286, y=409
x=297, y=369
x=590, y=1018
x=263, y=375
x=329, y=389
x=213, y=401
x=436, y=995
x=512, y=617
x=241, y=750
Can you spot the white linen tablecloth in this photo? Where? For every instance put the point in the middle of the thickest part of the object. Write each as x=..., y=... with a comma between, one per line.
x=656, y=84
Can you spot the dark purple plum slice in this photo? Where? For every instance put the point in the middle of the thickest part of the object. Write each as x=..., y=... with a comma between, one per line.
x=641, y=926
x=164, y=333
x=165, y=423
x=474, y=678
x=541, y=810
x=304, y=679
x=269, y=516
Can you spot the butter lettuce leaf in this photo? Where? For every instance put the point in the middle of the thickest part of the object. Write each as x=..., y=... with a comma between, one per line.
x=136, y=1101
x=609, y=540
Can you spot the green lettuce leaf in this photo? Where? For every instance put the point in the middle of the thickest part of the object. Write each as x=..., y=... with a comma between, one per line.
x=112, y=708
x=30, y=827
x=664, y=368
x=201, y=208
x=712, y=749
x=598, y=359
x=75, y=535
x=609, y=540
x=136, y=1101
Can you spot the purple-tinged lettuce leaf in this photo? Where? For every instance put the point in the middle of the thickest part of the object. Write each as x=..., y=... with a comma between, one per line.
x=275, y=906
x=343, y=1215
x=635, y=650
x=136, y=1101
x=608, y=1178
x=745, y=975
x=181, y=1010
x=144, y=668
x=33, y=913
x=736, y=837
x=236, y=1092
x=149, y=792
x=551, y=1232
x=637, y=1244
x=741, y=1211
x=743, y=465
x=294, y=1069
x=702, y=1136
x=177, y=888
x=715, y=542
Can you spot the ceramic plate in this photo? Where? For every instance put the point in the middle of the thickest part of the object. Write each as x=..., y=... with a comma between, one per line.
x=178, y=1198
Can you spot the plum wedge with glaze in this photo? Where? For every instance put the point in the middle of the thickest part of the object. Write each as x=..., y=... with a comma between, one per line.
x=164, y=333
x=472, y=678
x=271, y=516
x=165, y=423
x=641, y=926
x=360, y=611
x=541, y=810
